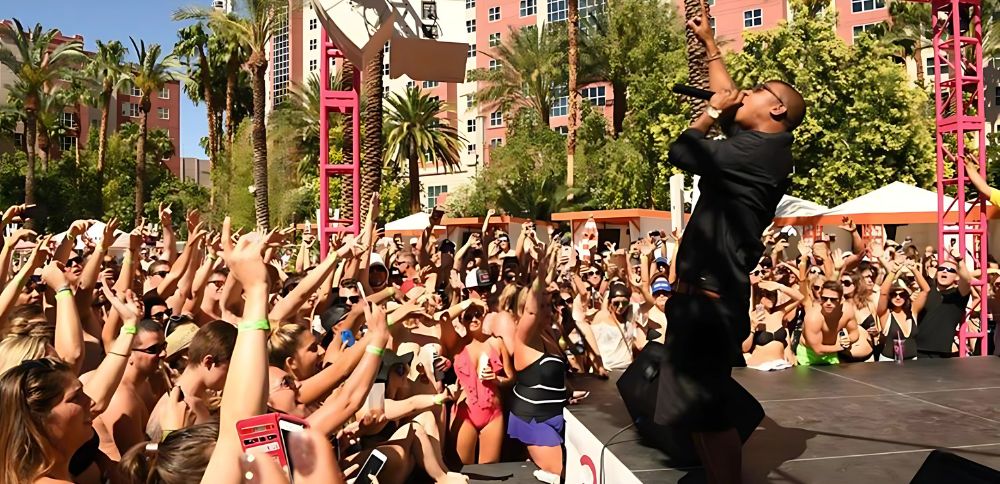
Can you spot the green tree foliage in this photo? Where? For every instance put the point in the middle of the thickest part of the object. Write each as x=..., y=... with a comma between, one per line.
x=864, y=126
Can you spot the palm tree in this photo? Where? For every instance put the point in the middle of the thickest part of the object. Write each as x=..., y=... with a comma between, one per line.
x=235, y=57
x=371, y=142
x=532, y=63
x=192, y=46
x=105, y=70
x=36, y=65
x=301, y=111
x=158, y=143
x=253, y=34
x=51, y=105
x=416, y=133
x=697, y=68
x=910, y=31
x=149, y=76
x=572, y=29
x=349, y=72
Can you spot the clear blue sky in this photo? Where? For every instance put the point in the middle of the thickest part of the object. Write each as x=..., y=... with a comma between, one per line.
x=149, y=20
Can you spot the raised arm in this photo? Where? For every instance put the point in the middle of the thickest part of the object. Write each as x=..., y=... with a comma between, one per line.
x=972, y=172
x=65, y=247
x=8, y=297
x=245, y=393
x=169, y=237
x=104, y=381
x=169, y=283
x=8, y=251
x=718, y=77
x=69, y=331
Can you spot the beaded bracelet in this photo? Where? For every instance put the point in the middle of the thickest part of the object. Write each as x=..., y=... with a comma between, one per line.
x=123, y=355
x=261, y=324
x=375, y=350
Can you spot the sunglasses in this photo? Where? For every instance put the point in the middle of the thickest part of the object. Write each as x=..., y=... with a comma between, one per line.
x=593, y=273
x=947, y=269
x=619, y=303
x=901, y=295
x=152, y=350
x=758, y=272
x=472, y=315
x=160, y=273
x=830, y=299
x=162, y=314
x=847, y=283
x=763, y=87
x=217, y=283
x=815, y=270
x=353, y=299
x=35, y=286
x=76, y=261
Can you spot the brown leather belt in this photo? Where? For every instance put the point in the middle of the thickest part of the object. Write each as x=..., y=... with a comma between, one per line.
x=681, y=287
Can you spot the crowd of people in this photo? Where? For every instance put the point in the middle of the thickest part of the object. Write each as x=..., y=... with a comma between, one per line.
x=139, y=366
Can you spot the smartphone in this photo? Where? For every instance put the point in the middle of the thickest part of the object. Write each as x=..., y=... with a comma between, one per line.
x=286, y=427
x=348, y=338
x=376, y=460
x=437, y=215
x=269, y=433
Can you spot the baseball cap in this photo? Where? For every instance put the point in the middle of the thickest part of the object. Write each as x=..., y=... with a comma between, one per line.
x=661, y=285
x=477, y=278
x=446, y=245
x=662, y=260
x=414, y=241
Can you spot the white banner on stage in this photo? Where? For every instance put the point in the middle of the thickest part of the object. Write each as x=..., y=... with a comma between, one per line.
x=583, y=457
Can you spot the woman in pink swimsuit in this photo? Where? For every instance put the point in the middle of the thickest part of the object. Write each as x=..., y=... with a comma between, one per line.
x=482, y=366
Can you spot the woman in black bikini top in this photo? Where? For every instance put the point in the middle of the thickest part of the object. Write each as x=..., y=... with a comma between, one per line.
x=768, y=324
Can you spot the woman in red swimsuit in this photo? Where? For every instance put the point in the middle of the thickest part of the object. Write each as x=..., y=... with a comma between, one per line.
x=482, y=365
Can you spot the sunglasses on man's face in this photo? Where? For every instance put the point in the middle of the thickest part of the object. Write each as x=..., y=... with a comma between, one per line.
x=152, y=350
x=162, y=314
x=816, y=270
x=847, y=283
x=817, y=288
x=218, y=283
x=160, y=273
x=472, y=315
x=76, y=261
x=947, y=269
x=757, y=272
x=353, y=299
x=830, y=299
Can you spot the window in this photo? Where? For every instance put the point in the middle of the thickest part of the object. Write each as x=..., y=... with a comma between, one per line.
x=866, y=5
x=410, y=84
x=468, y=102
x=164, y=93
x=494, y=14
x=385, y=49
x=556, y=10
x=280, y=56
x=495, y=65
x=470, y=126
x=312, y=24
x=162, y=113
x=428, y=10
x=312, y=64
x=929, y=70
x=752, y=18
x=563, y=130
x=710, y=3
x=860, y=30
x=560, y=102
x=495, y=142
x=19, y=139
x=385, y=69
x=595, y=94
x=494, y=39
x=130, y=110
x=470, y=3
x=496, y=119
x=67, y=143
x=69, y=120
x=471, y=54
x=587, y=7
x=433, y=192
x=470, y=148
x=312, y=44
x=996, y=99
x=430, y=84
x=711, y=23
x=385, y=90
x=134, y=91
x=470, y=26
x=528, y=7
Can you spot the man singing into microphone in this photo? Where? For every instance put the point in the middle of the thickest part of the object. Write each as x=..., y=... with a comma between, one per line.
x=742, y=179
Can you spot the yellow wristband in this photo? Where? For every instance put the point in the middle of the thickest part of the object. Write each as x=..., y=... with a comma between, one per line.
x=130, y=329
x=64, y=293
x=165, y=434
x=261, y=324
x=438, y=399
x=389, y=321
x=375, y=350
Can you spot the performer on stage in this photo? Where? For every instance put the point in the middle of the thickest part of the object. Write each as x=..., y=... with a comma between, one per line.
x=742, y=179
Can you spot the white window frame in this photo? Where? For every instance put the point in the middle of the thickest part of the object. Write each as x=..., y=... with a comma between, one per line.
x=496, y=142
x=496, y=119
x=313, y=64
x=164, y=93
x=494, y=39
x=411, y=83
x=471, y=53
x=430, y=84
x=859, y=6
x=163, y=113
x=528, y=8
x=69, y=120
x=470, y=26
x=470, y=4
x=754, y=20
x=313, y=44
x=67, y=143
x=493, y=14
x=556, y=10
x=470, y=126
x=437, y=190
x=313, y=23
x=495, y=65
x=134, y=91
x=597, y=95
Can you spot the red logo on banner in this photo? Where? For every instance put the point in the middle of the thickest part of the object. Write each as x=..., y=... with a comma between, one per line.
x=585, y=460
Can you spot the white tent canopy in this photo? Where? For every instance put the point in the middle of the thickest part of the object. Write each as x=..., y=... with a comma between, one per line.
x=896, y=197
x=790, y=206
x=416, y=222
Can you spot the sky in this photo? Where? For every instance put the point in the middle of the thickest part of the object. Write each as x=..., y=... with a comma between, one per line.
x=105, y=20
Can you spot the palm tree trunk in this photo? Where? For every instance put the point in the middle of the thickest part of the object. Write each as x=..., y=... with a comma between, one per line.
x=572, y=22
x=44, y=143
x=30, y=127
x=619, y=106
x=231, y=73
x=206, y=85
x=102, y=146
x=259, y=134
x=346, y=184
x=919, y=59
x=76, y=148
x=697, y=68
x=371, y=144
x=414, y=176
x=140, y=168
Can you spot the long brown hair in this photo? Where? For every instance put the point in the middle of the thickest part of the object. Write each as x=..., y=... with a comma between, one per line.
x=181, y=458
x=28, y=393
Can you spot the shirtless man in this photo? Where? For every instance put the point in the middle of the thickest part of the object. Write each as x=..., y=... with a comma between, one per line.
x=208, y=365
x=122, y=425
x=822, y=331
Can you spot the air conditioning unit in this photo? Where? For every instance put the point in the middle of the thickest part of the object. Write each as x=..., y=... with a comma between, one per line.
x=219, y=4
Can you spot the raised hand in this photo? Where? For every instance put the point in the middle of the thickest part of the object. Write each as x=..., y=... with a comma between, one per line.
x=54, y=275
x=701, y=26
x=19, y=235
x=166, y=219
x=14, y=211
x=246, y=260
x=129, y=307
x=39, y=253
x=108, y=236
x=193, y=219
x=847, y=224
x=769, y=285
x=79, y=227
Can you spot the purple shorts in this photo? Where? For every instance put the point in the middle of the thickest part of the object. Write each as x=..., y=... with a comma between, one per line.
x=547, y=433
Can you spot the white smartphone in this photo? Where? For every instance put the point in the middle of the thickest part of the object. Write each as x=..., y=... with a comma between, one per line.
x=286, y=428
x=371, y=468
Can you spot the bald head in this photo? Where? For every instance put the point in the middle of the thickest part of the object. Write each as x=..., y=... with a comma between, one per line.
x=795, y=106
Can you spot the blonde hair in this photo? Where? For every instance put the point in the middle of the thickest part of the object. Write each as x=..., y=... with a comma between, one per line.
x=15, y=349
x=512, y=299
x=283, y=343
x=28, y=393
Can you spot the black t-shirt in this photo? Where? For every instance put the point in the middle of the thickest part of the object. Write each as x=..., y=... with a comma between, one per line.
x=939, y=319
x=743, y=177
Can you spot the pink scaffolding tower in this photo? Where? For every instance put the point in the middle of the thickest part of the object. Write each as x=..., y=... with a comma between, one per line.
x=961, y=135
x=347, y=103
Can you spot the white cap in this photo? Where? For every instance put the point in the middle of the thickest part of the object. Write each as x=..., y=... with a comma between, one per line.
x=413, y=241
x=375, y=259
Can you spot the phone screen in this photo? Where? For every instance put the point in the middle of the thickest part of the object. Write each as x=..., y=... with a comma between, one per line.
x=286, y=428
x=371, y=468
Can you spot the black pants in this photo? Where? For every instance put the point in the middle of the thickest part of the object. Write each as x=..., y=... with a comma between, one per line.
x=934, y=354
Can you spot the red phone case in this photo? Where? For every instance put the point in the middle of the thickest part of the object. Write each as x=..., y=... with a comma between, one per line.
x=261, y=433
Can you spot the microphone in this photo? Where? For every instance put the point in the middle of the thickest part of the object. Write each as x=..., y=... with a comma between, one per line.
x=694, y=92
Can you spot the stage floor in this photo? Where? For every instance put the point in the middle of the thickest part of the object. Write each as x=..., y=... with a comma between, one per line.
x=857, y=423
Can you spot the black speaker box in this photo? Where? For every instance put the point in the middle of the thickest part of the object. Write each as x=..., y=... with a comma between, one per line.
x=946, y=467
x=639, y=387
